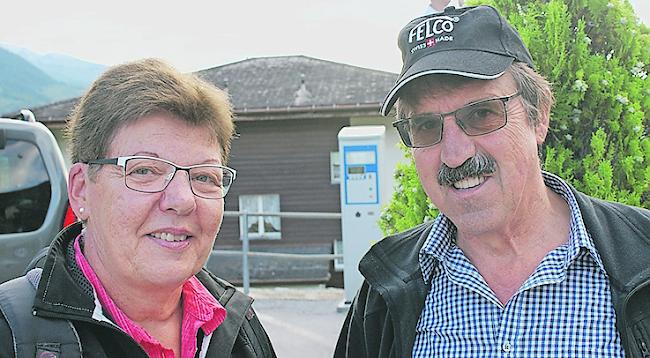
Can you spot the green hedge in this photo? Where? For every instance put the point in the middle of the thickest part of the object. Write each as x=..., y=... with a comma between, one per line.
x=596, y=55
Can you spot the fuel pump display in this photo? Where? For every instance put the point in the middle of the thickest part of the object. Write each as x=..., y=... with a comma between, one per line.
x=361, y=179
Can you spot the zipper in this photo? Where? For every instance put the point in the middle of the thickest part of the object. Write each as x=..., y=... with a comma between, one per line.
x=643, y=346
x=645, y=352
x=640, y=340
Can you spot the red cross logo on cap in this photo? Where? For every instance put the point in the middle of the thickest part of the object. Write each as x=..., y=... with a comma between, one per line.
x=431, y=42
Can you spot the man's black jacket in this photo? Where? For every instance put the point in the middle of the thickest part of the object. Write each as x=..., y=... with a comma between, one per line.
x=382, y=319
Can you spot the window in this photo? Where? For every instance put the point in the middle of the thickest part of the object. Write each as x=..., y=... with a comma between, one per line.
x=261, y=227
x=335, y=168
x=24, y=187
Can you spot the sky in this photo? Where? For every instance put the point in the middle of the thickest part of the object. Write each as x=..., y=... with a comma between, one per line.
x=194, y=35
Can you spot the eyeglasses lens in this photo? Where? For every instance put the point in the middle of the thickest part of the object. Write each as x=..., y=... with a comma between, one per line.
x=482, y=118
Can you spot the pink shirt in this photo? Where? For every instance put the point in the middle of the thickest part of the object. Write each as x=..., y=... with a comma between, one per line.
x=200, y=310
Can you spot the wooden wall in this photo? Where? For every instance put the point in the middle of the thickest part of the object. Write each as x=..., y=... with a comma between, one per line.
x=290, y=158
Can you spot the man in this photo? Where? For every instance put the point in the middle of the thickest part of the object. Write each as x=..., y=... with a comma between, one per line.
x=518, y=263
x=436, y=6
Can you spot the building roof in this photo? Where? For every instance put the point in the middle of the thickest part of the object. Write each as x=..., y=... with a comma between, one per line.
x=280, y=84
x=55, y=112
x=298, y=81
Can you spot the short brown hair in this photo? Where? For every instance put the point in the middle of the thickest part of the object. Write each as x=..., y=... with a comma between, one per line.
x=535, y=90
x=128, y=92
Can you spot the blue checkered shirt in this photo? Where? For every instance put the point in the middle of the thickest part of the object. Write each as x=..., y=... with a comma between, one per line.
x=563, y=309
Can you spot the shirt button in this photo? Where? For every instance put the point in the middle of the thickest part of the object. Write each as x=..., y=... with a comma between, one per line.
x=507, y=347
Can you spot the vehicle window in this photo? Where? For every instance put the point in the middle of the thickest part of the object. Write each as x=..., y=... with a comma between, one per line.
x=24, y=187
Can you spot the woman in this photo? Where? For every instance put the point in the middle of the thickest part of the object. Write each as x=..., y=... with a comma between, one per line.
x=149, y=147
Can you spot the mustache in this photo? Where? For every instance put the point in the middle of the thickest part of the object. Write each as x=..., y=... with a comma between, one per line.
x=475, y=166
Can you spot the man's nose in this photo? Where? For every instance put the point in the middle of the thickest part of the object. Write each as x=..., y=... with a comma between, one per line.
x=455, y=146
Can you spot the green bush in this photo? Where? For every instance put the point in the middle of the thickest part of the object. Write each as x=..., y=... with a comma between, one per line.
x=596, y=55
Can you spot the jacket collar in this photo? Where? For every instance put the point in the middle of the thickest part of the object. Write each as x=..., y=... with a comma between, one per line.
x=391, y=267
x=237, y=305
x=61, y=290
x=621, y=236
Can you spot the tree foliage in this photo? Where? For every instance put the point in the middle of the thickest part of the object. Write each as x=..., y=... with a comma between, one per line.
x=596, y=55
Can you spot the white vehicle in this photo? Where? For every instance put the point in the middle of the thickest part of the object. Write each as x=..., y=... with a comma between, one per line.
x=33, y=192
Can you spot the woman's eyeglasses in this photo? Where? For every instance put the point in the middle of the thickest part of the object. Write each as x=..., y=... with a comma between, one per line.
x=152, y=175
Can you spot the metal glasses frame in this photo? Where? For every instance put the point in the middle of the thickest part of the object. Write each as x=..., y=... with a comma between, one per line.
x=121, y=161
x=402, y=125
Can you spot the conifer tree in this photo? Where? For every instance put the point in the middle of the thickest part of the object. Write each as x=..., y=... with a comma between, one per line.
x=596, y=54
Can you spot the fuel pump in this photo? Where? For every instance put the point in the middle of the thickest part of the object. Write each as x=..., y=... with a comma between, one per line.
x=364, y=188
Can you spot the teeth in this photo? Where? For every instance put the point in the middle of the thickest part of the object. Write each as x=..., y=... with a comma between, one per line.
x=168, y=237
x=469, y=182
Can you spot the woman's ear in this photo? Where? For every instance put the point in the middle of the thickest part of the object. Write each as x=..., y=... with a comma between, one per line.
x=77, y=188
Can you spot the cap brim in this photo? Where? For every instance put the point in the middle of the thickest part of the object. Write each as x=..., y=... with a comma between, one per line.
x=467, y=63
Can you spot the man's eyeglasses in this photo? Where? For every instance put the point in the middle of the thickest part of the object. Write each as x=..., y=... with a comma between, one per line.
x=483, y=117
x=152, y=175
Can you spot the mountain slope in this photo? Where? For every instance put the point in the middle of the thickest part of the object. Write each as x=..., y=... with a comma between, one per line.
x=24, y=85
x=62, y=68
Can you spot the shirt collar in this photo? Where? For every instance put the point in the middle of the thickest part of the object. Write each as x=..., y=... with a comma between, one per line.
x=439, y=242
x=442, y=237
x=198, y=302
x=579, y=237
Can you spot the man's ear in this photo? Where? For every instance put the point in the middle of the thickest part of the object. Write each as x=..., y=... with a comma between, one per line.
x=541, y=129
x=77, y=190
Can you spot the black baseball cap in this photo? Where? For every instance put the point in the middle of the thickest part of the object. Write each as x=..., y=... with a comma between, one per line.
x=474, y=42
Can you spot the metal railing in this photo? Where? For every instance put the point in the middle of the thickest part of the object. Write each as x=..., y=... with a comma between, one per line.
x=246, y=253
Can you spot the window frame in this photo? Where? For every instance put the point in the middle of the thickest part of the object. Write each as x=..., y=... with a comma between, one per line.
x=261, y=233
